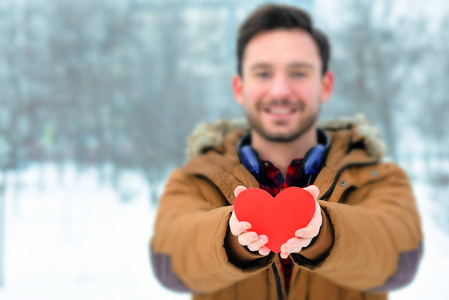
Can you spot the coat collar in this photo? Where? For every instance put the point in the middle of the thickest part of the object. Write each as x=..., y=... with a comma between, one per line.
x=361, y=135
x=353, y=142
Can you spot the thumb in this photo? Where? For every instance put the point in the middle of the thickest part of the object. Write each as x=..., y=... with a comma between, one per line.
x=313, y=190
x=239, y=189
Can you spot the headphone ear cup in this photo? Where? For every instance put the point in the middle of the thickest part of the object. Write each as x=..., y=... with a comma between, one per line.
x=312, y=164
x=250, y=161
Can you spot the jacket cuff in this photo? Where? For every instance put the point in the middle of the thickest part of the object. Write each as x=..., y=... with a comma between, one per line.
x=319, y=249
x=243, y=258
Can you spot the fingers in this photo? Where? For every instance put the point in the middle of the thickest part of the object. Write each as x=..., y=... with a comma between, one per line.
x=303, y=237
x=239, y=189
x=258, y=243
x=311, y=230
x=254, y=242
x=237, y=227
x=294, y=245
x=313, y=190
x=288, y=246
x=247, y=238
x=250, y=239
x=264, y=251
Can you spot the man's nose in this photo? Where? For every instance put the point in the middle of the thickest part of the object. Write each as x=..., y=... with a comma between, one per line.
x=280, y=88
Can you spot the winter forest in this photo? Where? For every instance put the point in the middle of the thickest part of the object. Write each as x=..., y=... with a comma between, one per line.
x=98, y=97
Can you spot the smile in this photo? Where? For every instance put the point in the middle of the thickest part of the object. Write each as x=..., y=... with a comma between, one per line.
x=280, y=111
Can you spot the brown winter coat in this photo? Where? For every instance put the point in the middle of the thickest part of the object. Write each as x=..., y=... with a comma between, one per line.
x=369, y=213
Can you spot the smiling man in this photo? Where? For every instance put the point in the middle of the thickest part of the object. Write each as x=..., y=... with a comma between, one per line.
x=364, y=238
x=283, y=87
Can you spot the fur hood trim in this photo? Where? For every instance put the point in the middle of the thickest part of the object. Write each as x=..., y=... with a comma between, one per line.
x=210, y=135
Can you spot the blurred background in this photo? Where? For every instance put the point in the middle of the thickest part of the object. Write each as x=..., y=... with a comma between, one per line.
x=97, y=98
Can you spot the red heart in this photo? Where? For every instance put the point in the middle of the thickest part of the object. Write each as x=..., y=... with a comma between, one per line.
x=278, y=218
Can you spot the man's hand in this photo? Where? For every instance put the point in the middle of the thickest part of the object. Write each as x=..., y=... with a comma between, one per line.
x=247, y=238
x=304, y=236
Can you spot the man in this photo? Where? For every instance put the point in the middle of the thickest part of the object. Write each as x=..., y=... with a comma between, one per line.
x=365, y=236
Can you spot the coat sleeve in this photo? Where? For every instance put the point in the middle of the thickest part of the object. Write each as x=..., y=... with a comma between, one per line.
x=377, y=238
x=187, y=248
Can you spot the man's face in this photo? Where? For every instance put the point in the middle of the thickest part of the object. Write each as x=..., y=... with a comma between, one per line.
x=282, y=87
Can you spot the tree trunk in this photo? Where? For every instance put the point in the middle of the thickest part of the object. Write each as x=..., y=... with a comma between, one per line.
x=2, y=228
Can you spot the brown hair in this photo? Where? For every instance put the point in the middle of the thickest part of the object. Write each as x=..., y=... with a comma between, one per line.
x=272, y=16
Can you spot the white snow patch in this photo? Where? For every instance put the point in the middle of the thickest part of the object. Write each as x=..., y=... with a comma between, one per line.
x=68, y=236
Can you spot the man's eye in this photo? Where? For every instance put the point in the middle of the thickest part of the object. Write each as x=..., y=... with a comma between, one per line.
x=298, y=74
x=263, y=74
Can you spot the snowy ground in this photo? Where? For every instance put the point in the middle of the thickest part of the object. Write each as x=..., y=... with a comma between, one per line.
x=69, y=237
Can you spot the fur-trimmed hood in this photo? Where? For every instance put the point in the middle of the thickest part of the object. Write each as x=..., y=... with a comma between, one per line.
x=210, y=135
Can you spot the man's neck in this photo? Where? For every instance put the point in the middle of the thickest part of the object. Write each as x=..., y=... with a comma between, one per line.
x=281, y=154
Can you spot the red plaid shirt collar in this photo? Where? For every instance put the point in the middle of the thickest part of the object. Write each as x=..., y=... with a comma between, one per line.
x=273, y=181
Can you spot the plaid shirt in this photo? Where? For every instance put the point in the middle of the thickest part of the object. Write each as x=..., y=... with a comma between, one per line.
x=273, y=182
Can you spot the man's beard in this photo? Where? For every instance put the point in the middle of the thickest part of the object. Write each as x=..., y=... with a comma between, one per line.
x=304, y=125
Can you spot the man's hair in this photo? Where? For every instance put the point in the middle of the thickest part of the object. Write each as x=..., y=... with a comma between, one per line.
x=272, y=16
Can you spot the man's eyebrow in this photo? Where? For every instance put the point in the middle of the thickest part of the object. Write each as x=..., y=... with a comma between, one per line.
x=301, y=65
x=260, y=66
x=295, y=65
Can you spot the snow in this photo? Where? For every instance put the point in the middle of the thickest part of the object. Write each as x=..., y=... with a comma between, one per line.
x=70, y=236
x=76, y=240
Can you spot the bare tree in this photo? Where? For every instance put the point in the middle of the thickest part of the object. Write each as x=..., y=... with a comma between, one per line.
x=378, y=57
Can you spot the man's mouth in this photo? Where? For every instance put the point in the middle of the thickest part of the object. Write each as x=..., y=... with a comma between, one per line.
x=282, y=111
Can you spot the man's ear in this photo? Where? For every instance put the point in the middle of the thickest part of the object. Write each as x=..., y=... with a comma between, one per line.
x=237, y=88
x=327, y=86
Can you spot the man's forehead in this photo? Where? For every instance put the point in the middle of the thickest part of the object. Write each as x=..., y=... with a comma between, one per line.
x=293, y=65
x=291, y=47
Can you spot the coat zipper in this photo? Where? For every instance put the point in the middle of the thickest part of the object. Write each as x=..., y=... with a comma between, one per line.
x=278, y=282
x=334, y=183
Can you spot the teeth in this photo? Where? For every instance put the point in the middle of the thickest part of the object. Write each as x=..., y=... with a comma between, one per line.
x=280, y=111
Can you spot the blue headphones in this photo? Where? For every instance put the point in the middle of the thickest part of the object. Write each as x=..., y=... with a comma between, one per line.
x=311, y=165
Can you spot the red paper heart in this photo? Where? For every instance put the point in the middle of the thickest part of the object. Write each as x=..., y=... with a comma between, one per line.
x=278, y=218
